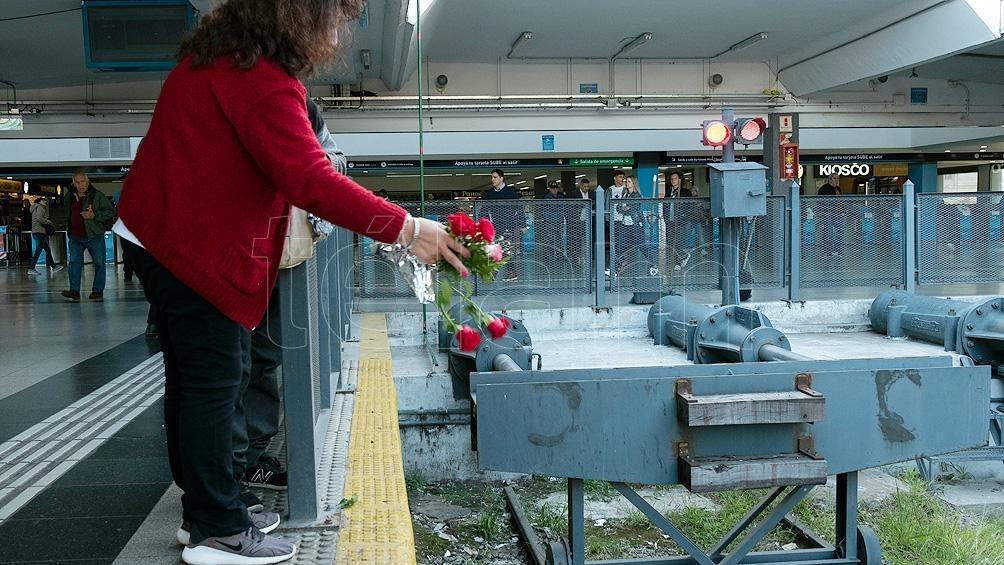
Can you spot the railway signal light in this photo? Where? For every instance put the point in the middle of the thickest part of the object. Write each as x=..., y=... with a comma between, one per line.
x=716, y=133
x=749, y=131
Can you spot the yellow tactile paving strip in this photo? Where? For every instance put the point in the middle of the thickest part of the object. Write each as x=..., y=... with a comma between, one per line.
x=377, y=527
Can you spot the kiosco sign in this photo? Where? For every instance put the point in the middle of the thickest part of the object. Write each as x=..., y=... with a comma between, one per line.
x=852, y=169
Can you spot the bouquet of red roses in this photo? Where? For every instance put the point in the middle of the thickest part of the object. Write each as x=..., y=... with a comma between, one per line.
x=485, y=260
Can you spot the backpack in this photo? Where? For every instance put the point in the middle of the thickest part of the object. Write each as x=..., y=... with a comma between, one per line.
x=107, y=224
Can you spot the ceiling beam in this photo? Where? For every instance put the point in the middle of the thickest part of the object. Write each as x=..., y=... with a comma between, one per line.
x=944, y=29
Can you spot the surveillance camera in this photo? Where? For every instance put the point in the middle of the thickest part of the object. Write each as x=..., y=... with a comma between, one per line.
x=442, y=81
x=882, y=79
x=715, y=80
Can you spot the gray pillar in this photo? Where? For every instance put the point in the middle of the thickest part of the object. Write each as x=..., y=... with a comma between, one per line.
x=772, y=152
x=983, y=181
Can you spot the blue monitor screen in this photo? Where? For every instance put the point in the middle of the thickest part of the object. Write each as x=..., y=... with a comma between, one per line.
x=134, y=35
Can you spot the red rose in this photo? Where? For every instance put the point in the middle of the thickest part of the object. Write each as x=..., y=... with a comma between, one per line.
x=486, y=230
x=468, y=338
x=498, y=327
x=461, y=225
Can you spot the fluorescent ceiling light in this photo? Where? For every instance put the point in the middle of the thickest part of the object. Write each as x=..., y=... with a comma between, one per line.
x=635, y=44
x=522, y=40
x=983, y=150
x=520, y=182
x=751, y=40
x=579, y=176
x=534, y=178
x=413, y=9
x=983, y=146
x=948, y=150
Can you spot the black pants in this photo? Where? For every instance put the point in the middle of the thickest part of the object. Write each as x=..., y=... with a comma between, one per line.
x=258, y=422
x=207, y=365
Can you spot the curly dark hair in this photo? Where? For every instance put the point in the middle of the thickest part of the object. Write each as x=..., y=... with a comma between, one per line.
x=299, y=35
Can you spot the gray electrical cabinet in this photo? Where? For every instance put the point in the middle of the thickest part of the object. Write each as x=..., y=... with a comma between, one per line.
x=738, y=190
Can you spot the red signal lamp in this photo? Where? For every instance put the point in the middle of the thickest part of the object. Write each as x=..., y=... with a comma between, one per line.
x=716, y=133
x=749, y=131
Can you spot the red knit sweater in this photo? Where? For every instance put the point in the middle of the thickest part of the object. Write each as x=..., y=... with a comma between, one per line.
x=228, y=150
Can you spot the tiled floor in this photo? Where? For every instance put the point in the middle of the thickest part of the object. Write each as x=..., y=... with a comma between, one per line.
x=54, y=353
x=41, y=334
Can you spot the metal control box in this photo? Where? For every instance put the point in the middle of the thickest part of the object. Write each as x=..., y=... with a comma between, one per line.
x=738, y=190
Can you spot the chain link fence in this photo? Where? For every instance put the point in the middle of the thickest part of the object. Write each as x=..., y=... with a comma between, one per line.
x=548, y=242
x=376, y=278
x=959, y=238
x=851, y=241
x=673, y=244
x=658, y=244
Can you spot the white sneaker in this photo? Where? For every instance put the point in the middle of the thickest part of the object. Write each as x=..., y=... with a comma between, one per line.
x=56, y=269
x=266, y=522
x=33, y=272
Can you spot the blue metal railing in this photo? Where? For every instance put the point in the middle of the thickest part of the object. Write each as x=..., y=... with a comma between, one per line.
x=558, y=247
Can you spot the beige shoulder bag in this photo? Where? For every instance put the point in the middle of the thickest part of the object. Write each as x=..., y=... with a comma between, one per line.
x=299, y=239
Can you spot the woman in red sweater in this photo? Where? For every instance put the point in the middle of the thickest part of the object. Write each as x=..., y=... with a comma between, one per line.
x=203, y=212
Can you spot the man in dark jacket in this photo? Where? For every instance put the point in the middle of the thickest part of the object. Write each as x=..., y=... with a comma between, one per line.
x=832, y=240
x=89, y=213
x=508, y=219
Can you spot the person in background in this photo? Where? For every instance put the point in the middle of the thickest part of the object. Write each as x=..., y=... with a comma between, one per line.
x=23, y=226
x=552, y=216
x=41, y=227
x=676, y=225
x=256, y=420
x=87, y=212
x=578, y=255
x=209, y=145
x=509, y=220
x=615, y=192
x=632, y=221
x=832, y=220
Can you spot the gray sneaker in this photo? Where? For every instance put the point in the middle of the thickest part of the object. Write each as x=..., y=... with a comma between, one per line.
x=250, y=547
x=266, y=522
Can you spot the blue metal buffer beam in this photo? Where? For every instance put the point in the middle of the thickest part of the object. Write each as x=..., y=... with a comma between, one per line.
x=731, y=421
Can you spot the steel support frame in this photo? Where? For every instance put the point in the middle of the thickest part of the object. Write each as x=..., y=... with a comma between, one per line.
x=794, y=259
x=909, y=237
x=762, y=514
x=599, y=252
x=303, y=501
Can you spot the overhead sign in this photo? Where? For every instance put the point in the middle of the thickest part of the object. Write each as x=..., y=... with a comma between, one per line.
x=589, y=88
x=398, y=165
x=603, y=162
x=11, y=123
x=918, y=95
x=845, y=170
x=705, y=159
x=547, y=142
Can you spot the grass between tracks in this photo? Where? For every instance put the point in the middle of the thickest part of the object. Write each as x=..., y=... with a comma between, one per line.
x=914, y=526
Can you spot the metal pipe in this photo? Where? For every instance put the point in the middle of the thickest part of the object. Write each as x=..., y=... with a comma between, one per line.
x=975, y=329
x=771, y=352
x=503, y=362
x=728, y=334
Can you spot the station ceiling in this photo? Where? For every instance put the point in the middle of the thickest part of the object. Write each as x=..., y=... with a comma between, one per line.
x=47, y=51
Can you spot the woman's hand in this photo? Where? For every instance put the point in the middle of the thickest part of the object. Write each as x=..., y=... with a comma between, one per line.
x=434, y=243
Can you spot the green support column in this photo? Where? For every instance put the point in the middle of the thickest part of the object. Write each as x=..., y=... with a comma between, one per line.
x=647, y=169
x=924, y=176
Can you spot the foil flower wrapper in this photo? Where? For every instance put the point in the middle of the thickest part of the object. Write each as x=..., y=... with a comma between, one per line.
x=415, y=272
